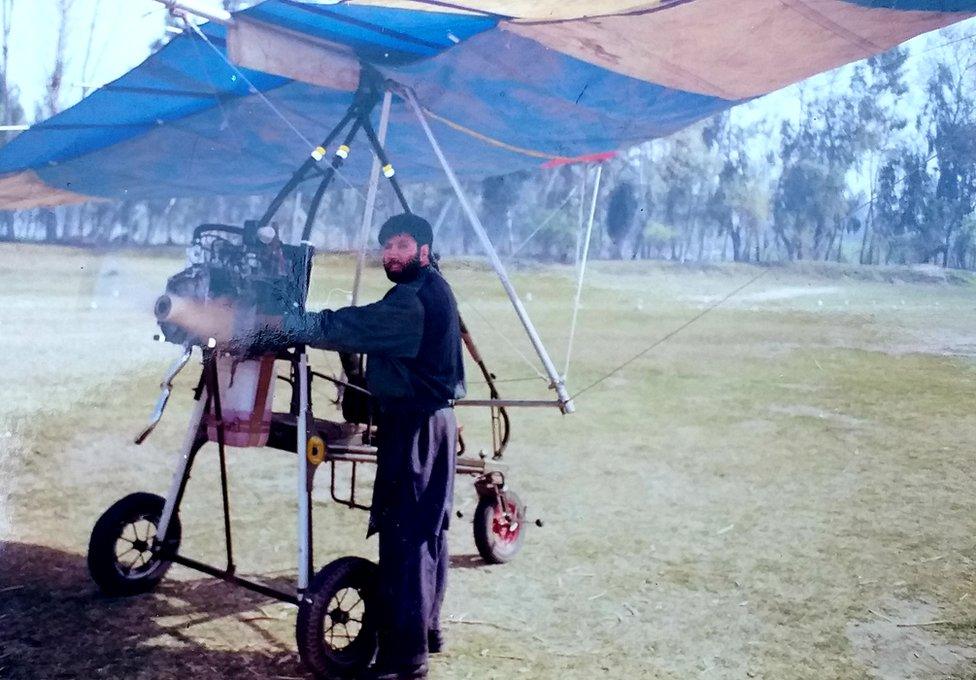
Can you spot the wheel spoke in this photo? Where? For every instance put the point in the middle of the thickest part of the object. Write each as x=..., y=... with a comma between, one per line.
x=119, y=556
x=345, y=634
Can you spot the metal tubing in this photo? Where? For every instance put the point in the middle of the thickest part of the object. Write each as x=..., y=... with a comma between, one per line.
x=236, y=580
x=507, y=402
x=384, y=159
x=217, y=16
x=211, y=368
x=300, y=175
x=565, y=401
x=182, y=468
x=374, y=180
x=166, y=388
x=327, y=178
x=304, y=496
x=582, y=268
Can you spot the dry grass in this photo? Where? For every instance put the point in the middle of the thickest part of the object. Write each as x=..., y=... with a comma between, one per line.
x=767, y=495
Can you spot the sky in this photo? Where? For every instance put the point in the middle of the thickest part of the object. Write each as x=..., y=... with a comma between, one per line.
x=124, y=30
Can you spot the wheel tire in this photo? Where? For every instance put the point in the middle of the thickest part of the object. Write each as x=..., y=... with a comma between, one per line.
x=328, y=603
x=131, y=520
x=497, y=540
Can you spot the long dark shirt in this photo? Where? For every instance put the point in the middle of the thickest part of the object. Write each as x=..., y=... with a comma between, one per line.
x=412, y=339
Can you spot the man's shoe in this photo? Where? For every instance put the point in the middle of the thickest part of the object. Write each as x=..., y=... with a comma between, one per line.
x=435, y=641
x=415, y=672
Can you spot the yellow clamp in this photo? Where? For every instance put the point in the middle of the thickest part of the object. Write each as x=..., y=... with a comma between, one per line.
x=342, y=151
x=315, y=450
x=388, y=170
x=318, y=153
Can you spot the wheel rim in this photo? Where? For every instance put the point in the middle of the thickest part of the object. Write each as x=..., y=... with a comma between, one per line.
x=134, y=557
x=506, y=530
x=344, y=619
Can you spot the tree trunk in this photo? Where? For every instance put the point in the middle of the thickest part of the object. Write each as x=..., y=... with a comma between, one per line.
x=868, y=221
x=736, y=237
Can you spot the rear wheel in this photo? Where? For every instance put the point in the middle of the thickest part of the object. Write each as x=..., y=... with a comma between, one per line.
x=123, y=557
x=499, y=526
x=336, y=627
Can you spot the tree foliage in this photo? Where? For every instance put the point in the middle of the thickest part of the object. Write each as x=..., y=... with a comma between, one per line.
x=852, y=176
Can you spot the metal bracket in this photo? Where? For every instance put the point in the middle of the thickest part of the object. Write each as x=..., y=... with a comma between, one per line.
x=166, y=387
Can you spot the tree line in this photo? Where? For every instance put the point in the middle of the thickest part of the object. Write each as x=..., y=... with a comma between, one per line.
x=875, y=164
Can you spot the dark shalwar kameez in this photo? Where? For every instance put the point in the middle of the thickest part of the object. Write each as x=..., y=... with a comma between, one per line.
x=412, y=339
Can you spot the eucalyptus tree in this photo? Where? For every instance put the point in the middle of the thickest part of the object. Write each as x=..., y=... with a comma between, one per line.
x=951, y=135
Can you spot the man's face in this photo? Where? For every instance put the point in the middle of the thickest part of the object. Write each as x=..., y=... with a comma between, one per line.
x=402, y=258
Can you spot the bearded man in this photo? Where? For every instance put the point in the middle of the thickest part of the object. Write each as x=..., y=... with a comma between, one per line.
x=415, y=371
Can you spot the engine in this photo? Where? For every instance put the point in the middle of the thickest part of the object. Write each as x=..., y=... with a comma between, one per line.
x=236, y=281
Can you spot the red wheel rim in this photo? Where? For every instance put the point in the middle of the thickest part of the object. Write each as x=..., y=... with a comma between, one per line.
x=502, y=528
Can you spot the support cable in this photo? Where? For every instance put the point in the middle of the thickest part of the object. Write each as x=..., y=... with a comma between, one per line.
x=196, y=30
x=565, y=401
x=673, y=333
x=546, y=221
x=539, y=375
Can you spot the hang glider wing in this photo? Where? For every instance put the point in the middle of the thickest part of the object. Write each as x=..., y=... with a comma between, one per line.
x=509, y=85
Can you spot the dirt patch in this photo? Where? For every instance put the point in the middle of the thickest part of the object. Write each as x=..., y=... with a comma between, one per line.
x=894, y=646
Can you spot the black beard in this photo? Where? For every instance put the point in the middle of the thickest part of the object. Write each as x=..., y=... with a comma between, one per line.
x=410, y=271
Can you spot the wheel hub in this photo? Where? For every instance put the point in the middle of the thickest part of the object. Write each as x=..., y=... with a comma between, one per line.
x=339, y=616
x=505, y=525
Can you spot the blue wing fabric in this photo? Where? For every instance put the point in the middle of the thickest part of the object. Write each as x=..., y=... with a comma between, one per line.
x=503, y=95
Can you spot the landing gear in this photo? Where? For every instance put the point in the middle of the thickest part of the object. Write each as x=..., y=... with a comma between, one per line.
x=337, y=619
x=123, y=557
x=499, y=526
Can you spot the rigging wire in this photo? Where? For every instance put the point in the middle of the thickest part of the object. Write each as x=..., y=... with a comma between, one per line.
x=508, y=341
x=203, y=36
x=539, y=375
x=735, y=292
x=196, y=30
x=665, y=338
x=546, y=221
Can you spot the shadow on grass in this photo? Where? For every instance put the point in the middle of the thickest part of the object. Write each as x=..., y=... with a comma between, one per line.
x=54, y=624
x=468, y=562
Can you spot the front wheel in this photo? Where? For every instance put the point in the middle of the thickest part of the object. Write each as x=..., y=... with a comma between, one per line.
x=123, y=557
x=499, y=526
x=336, y=628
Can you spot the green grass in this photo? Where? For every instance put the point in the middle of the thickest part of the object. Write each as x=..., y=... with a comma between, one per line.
x=791, y=469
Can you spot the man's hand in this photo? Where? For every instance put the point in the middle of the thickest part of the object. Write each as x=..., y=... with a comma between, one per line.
x=266, y=339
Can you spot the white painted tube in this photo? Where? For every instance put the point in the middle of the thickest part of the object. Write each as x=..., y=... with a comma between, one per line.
x=565, y=401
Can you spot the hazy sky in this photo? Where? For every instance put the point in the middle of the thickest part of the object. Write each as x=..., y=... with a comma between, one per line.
x=124, y=29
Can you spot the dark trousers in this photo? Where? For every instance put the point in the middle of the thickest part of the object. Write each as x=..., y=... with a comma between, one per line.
x=413, y=578
x=411, y=506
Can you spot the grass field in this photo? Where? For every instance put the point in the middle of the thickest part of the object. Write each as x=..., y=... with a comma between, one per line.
x=785, y=489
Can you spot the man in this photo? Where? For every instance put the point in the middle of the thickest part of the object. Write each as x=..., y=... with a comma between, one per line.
x=415, y=371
